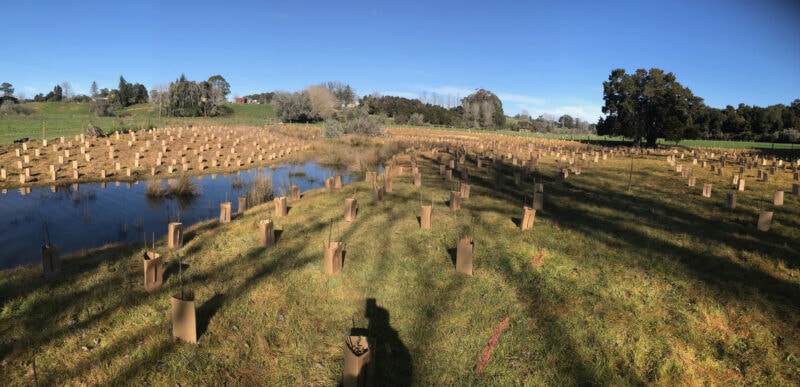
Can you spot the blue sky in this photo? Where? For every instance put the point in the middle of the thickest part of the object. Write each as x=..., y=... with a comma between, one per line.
x=547, y=57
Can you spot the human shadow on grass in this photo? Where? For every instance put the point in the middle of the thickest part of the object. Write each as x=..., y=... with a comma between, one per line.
x=393, y=365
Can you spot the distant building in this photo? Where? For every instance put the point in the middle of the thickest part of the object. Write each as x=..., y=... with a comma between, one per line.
x=240, y=100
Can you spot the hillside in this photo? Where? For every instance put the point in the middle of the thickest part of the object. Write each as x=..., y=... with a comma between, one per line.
x=640, y=281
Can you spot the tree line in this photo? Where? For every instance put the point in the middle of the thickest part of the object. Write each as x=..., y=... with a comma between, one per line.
x=650, y=104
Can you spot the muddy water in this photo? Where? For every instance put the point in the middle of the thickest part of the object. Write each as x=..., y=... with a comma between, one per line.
x=93, y=215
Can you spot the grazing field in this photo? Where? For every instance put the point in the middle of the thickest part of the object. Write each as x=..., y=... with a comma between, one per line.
x=628, y=276
x=70, y=119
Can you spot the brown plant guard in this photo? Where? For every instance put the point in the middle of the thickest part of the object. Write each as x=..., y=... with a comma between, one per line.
x=358, y=362
x=266, y=233
x=455, y=200
x=184, y=323
x=281, y=208
x=153, y=268
x=529, y=215
x=242, y=204
x=350, y=209
x=464, y=251
x=174, y=235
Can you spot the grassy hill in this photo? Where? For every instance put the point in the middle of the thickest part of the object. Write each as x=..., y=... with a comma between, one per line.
x=69, y=119
x=652, y=284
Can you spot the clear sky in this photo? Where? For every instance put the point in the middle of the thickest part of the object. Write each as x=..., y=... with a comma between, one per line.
x=547, y=57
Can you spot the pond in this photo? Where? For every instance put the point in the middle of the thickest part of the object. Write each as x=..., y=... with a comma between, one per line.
x=75, y=218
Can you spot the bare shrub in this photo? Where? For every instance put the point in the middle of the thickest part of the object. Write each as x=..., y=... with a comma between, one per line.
x=183, y=186
x=260, y=189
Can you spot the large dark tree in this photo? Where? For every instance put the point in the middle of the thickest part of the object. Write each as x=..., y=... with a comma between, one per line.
x=483, y=109
x=647, y=105
x=8, y=89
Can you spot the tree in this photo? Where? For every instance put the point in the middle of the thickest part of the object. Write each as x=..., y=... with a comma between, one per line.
x=483, y=109
x=139, y=93
x=220, y=88
x=66, y=90
x=293, y=107
x=343, y=92
x=93, y=89
x=159, y=97
x=55, y=95
x=8, y=89
x=124, y=93
x=184, y=98
x=323, y=102
x=566, y=121
x=647, y=105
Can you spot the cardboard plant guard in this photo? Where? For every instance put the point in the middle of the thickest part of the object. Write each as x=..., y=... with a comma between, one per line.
x=764, y=220
x=266, y=233
x=175, y=235
x=387, y=182
x=731, y=203
x=527, y=218
x=295, y=192
x=153, y=271
x=377, y=194
x=225, y=212
x=455, y=200
x=358, y=362
x=242, y=204
x=707, y=190
x=184, y=323
x=464, y=256
x=465, y=191
x=332, y=258
x=350, y=209
x=426, y=217
x=280, y=206
x=332, y=254
x=777, y=199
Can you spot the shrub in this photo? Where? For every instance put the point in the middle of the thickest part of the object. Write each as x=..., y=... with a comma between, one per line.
x=183, y=186
x=14, y=109
x=155, y=189
x=260, y=189
x=332, y=129
x=416, y=119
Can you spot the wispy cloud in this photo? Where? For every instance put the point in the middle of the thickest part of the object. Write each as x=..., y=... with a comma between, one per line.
x=512, y=103
x=521, y=99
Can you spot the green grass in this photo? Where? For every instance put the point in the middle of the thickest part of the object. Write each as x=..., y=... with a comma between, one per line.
x=652, y=285
x=69, y=119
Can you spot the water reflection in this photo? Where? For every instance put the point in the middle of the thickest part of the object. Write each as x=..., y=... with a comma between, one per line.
x=91, y=215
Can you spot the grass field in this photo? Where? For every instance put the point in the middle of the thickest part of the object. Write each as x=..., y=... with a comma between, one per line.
x=615, y=285
x=69, y=119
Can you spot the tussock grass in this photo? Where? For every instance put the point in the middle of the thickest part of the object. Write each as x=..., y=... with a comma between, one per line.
x=155, y=189
x=183, y=186
x=652, y=285
x=261, y=189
